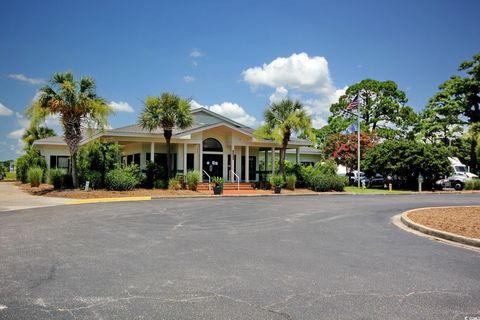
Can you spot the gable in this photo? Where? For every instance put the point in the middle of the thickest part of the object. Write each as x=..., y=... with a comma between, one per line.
x=204, y=116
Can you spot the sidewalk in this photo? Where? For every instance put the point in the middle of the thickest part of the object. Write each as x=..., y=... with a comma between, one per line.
x=12, y=198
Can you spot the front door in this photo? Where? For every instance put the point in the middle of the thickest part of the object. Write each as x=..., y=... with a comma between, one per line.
x=213, y=165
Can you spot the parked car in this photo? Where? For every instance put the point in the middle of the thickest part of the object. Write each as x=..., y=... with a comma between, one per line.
x=353, y=178
x=377, y=181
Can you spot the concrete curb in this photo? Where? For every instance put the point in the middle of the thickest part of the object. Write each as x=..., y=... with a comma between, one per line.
x=212, y=196
x=438, y=233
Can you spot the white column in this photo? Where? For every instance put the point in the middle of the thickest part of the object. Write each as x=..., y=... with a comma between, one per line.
x=247, y=162
x=232, y=163
x=298, y=155
x=152, y=151
x=273, y=160
x=200, y=161
x=185, y=158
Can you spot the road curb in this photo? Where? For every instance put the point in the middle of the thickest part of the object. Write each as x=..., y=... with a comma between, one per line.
x=438, y=233
x=98, y=200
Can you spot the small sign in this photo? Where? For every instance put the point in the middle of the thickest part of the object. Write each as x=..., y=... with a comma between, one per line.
x=420, y=178
x=87, y=185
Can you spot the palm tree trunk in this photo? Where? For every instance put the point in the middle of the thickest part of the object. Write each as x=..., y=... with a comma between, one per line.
x=73, y=158
x=168, y=135
x=283, y=151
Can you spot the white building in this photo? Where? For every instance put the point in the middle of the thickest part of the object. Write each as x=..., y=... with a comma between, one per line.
x=214, y=145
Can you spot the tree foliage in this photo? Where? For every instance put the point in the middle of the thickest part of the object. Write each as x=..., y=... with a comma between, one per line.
x=456, y=105
x=77, y=104
x=406, y=159
x=382, y=108
x=282, y=120
x=36, y=133
x=167, y=112
x=343, y=147
x=32, y=158
x=96, y=159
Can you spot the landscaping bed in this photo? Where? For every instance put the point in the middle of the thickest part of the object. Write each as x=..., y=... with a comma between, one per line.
x=47, y=190
x=464, y=221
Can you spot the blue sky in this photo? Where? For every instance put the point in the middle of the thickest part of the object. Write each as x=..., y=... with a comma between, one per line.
x=233, y=57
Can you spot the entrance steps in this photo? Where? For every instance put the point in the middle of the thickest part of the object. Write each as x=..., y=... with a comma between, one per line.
x=227, y=186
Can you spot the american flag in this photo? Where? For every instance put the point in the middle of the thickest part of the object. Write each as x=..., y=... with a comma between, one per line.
x=354, y=104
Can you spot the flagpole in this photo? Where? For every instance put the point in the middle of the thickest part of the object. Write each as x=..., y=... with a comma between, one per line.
x=358, y=145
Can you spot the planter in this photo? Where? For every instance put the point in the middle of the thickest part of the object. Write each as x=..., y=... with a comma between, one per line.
x=278, y=189
x=218, y=189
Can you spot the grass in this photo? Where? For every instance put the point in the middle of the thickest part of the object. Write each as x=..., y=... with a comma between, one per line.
x=374, y=191
x=11, y=176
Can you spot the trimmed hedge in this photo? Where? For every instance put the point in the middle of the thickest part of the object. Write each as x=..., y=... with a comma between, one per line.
x=320, y=182
x=121, y=179
x=35, y=176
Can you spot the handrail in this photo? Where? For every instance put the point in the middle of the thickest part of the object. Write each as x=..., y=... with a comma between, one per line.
x=238, y=179
x=208, y=179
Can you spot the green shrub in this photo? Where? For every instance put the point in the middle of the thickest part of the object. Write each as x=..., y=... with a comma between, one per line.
x=35, y=176
x=276, y=180
x=320, y=182
x=218, y=180
x=174, y=184
x=472, y=184
x=291, y=179
x=32, y=158
x=97, y=157
x=57, y=178
x=193, y=179
x=154, y=174
x=121, y=179
x=94, y=178
x=160, y=184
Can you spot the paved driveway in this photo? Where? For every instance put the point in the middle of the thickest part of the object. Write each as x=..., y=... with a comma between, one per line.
x=326, y=257
x=12, y=198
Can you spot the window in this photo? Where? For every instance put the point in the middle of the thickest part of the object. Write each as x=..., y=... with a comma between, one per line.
x=161, y=159
x=62, y=162
x=190, y=161
x=212, y=144
x=131, y=158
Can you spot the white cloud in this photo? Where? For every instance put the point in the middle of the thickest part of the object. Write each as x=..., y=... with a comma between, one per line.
x=121, y=106
x=229, y=110
x=4, y=111
x=279, y=94
x=301, y=77
x=22, y=120
x=299, y=72
x=235, y=112
x=196, y=53
x=17, y=134
x=188, y=79
x=24, y=78
x=195, y=105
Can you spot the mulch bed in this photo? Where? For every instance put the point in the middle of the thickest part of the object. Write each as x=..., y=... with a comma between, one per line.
x=464, y=221
x=47, y=190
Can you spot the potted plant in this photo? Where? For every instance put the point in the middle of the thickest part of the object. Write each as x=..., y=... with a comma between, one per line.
x=218, y=189
x=277, y=181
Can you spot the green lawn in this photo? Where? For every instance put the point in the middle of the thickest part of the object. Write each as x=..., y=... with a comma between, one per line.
x=374, y=191
x=11, y=176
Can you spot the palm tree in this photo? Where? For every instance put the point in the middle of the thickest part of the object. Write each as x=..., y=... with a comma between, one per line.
x=167, y=112
x=36, y=133
x=283, y=119
x=77, y=104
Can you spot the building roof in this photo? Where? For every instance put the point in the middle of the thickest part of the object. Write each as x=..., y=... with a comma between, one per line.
x=305, y=150
x=136, y=130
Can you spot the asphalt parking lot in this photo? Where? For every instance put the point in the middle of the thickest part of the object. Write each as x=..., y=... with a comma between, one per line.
x=311, y=257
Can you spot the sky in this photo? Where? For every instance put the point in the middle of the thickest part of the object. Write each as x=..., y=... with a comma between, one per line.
x=233, y=57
